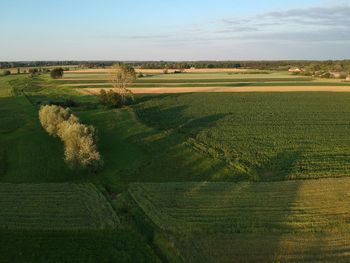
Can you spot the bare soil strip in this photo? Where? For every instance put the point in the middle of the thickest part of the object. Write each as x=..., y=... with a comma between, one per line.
x=166, y=90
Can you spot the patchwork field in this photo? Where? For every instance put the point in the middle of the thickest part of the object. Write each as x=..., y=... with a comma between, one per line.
x=90, y=82
x=295, y=221
x=204, y=174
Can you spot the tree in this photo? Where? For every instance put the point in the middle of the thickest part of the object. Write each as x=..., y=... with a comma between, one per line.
x=121, y=77
x=51, y=116
x=79, y=140
x=79, y=144
x=57, y=73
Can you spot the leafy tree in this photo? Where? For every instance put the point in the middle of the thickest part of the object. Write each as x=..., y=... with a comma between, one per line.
x=57, y=73
x=79, y=140
x=121, y=77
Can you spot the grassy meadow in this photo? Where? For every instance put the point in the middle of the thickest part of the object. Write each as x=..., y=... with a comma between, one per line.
x=193, y=177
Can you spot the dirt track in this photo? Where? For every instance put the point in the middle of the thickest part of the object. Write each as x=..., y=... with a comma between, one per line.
x=228, y=89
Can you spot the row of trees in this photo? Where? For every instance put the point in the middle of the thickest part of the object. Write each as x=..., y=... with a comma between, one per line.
x=80, y=149
x=264, y=65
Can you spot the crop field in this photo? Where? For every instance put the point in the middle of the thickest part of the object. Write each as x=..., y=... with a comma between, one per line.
x=261, y=136
x=54, y=206
x=291, y=221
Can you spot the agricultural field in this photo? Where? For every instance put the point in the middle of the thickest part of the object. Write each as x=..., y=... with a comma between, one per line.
x=55, y=206
x=192, y=177
x=293, y=221
x=206, y=82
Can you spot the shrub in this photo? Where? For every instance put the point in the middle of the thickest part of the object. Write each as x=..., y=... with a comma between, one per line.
x=111, y=99
x=56, y=73
x=63, y=102
x=6, y=72
x=79, y=140
x=33, y=71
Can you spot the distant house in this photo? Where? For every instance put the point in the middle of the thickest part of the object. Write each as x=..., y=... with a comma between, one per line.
x=296, y=70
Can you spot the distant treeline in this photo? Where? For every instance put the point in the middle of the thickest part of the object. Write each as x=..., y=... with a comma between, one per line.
x=336, y=65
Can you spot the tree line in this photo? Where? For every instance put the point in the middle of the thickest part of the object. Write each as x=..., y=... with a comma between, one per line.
x=333, y=65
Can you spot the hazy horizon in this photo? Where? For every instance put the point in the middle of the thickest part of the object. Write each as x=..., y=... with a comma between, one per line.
x=174, y=31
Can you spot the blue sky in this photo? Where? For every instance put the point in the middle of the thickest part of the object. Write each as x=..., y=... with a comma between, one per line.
x=174, y=30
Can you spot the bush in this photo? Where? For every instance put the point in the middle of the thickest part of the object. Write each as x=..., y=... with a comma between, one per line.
x=33, y=71
x=6, y=72
x=110, y=99
x=56, y=73
x=63, y=103
x=79, y=140
x=140, y=75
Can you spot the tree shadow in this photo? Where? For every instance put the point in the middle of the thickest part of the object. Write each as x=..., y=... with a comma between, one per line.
x=279, y=167
x=246, y=220
x=166, y=143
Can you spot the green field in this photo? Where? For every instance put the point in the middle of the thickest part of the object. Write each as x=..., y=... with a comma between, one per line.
x=260, y=136
x=201, y=177
x=295, y=221
x=54, y=206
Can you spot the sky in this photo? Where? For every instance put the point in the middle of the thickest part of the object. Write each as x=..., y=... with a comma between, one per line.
x=174, y=30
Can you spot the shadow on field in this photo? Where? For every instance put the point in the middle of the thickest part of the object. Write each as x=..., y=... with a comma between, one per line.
x=279, y=167
x=166, y=144
x=249, y=221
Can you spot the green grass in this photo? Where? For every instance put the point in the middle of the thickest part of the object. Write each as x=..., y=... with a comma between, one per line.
x=294, y=221
x=54, y=207
x=134, y=152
